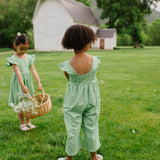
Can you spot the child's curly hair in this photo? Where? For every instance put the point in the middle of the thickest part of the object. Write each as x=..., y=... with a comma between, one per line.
x=77, y=37
x=20, y=39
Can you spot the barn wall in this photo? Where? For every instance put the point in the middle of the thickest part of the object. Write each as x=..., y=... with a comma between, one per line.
x=49, y=25
x=108, y=44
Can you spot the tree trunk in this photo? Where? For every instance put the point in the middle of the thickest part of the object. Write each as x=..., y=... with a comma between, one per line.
x=137, y=45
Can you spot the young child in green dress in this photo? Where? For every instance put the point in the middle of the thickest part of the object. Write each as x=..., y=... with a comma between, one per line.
x=21, y=81
x=82, y=99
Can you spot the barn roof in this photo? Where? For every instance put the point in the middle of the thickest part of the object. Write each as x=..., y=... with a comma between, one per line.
x=78, y=11
x=105, y=33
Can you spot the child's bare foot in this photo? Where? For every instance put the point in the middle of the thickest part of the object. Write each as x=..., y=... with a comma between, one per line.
x=24, y=128
x=31, y=126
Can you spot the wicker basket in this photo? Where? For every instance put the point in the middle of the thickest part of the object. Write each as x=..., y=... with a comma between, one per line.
x=43, y=108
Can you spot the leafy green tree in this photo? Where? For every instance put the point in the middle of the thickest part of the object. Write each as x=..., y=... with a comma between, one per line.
x=127, y=16
x=86, y=2
x=15, y=16
x=153, y=32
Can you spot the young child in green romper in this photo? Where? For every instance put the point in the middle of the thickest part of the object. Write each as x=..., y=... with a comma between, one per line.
x=21, y=81
x=82, y=99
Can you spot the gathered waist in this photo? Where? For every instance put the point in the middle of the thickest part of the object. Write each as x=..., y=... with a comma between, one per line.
x=83, y=82
x=22, y=73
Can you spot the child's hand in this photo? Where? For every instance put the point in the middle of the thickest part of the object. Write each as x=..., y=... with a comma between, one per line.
x=25, y=89
x=39, y=86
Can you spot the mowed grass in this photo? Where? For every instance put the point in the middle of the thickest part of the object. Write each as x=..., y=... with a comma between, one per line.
x=129, y=124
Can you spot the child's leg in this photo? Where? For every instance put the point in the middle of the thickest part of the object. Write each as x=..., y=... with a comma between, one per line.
x=91, y=129
x=73, y=126
x=69, y=157
x=21, y=118
x=27, y=120
x=94, y=155
x=22, y=125
x=28, y=123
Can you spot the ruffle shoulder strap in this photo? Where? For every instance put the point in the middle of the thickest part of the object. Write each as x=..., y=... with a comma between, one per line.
x=65, y=66
x=96, y=61
x=11, y=60
x=32, y=59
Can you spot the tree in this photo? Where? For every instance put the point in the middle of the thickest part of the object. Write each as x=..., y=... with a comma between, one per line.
x=153, y=32
x=16, y=16
x=127, y=16
x=86, y=2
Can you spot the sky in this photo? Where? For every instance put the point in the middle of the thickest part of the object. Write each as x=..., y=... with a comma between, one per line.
x=158, y=7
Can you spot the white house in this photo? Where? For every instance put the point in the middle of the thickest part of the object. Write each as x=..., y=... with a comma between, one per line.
x=107, y=38
x=52, y=17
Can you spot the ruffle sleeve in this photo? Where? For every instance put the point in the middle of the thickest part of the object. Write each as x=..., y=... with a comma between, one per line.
x=96, y=62
x=11, y=60
x=32, y=59
x=65, y=66
x=98, y=59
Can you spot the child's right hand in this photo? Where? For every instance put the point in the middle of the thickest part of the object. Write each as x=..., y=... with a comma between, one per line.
x=25, y=89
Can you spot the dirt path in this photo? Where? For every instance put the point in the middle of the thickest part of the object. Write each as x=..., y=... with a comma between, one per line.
x=2, y=53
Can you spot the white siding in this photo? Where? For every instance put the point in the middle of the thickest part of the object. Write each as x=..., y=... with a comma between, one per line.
x=50, y=24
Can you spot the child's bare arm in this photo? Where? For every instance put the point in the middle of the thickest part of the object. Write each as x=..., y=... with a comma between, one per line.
x=66, y=75
x=36, y=76
x=20, y=80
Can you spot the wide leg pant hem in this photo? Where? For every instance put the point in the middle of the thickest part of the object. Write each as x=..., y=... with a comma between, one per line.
x=72, y=153
x=93, y=149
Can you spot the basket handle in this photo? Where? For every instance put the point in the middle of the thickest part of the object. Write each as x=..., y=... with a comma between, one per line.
x=30, y=97
x=43, y=94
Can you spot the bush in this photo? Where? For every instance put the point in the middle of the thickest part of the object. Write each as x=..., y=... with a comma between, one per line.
x=124, y=40
x=31, y=38
x=153, y=32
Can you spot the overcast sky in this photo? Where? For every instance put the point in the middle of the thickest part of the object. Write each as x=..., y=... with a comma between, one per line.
x=158, y=6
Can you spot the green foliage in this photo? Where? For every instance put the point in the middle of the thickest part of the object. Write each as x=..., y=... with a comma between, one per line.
x=31, y=38
x=154, y=32
x=16, y=17
x=86, y=2
x=126, y=16
x=102, y=26
x=124, y=40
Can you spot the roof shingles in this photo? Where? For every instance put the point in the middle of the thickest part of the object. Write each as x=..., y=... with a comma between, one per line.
x=80, y=13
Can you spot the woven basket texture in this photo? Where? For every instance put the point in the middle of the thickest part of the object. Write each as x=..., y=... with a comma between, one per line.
x=42, y=109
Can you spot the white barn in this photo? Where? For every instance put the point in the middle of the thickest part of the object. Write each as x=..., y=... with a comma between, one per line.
x=52, y=17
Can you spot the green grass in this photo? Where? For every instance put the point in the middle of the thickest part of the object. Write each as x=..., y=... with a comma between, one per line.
x=129, y=81
x=5, y=49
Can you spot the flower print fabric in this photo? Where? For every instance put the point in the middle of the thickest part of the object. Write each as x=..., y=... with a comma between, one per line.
x=82, y=104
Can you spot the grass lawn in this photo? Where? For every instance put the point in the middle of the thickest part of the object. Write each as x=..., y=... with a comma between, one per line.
x=129, y=81
x=5, y=49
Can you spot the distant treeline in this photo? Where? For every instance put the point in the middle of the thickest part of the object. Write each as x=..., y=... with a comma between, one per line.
x=150, y=34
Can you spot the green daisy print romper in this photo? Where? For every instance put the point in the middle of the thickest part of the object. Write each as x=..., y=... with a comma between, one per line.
x=82, y=106
x=24, y=66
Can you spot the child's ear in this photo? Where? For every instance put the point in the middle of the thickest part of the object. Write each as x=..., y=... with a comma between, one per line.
x=14, y=46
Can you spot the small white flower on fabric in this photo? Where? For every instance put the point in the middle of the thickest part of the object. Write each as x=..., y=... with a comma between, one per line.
x=133, y=131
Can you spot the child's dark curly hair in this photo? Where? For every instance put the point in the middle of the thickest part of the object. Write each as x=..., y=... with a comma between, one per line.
x=20, y=39
x=77, y=37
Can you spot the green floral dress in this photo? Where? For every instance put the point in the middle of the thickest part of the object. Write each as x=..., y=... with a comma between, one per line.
x=24, y=66
x=81, y=105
